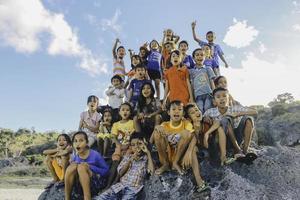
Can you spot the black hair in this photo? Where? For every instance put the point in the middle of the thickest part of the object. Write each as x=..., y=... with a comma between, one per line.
x=216, y=81
x=153, y=41
x=116, y=77
x=198, y=49
x=91, y=98
x=168, y=42
x=183, y=42
x=66, y=136
x=186, y=109
x=140, y=66
x=129, y=105
x=136, y=135
x=120, y=47
x=136, y=57
x=175, y=102
x=177, y=52
x=210, y=32
x=142, y=99
x=218, y=90
x=105, y=111
x=80, y=133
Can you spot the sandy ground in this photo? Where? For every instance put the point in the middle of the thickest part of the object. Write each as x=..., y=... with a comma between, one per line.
x=20, y=194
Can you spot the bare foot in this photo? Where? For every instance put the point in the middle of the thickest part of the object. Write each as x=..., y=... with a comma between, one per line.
x=162, y=169
x=178, y=168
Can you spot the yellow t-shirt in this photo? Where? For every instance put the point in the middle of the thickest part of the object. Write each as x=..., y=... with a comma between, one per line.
x=184, y=125
x=123, y=131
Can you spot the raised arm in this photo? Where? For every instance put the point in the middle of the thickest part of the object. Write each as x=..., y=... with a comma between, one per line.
x=223, y=59
x=114, y=50
x=194, y=32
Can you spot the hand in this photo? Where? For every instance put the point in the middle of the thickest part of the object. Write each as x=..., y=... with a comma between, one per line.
x=118, y=40
x=160, y=130
x=141, y=116
x=163, y=106
x=208, y=120
x=84, y=124
x=233, y=115
x=194, y=24
x=187, y=159
x=165, y=32
x=205, y=140
x=149, y=116
x=191, y=100
x=145, y=44
x=144, y=147
x=226, y=65
x=106, y=123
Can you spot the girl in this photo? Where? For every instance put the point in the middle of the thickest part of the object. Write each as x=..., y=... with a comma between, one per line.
x=187, y=60
x=87, y=169
x=57, y=159
x=148, y=111
x=177, y=81
x=144, y=54
x=90, y=120
x=104, y=135
x=221, y=81
x=135, y=60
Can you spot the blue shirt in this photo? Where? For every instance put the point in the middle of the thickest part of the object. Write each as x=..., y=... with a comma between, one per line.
x=200, y=78
x=96, y=162
x=216, y=49
x=135, y=86
x=154, y=58
x=211, y=63
x=188, y=62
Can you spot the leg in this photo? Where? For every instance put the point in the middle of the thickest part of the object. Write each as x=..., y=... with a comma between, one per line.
x=247, y=135
x=129, y=194
x=222, y=144
x=207, y=103
x=84, y=174
x=107, y=195
x=232, y=138
x=51, y=168
x=196, y=168
x=161, y=145
x=112, y=173
x=185, y=139
x=200, y=103
x=217, y=71
x=157, y=88
x=64, y=163
x=106, y=146
x=69, y=180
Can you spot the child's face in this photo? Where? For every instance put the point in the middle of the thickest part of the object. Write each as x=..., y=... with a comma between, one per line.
x=169, y=34
x=124, y=112
x=222, y=83
x=195, y=114
x=183, y=47
x=135, y=145
x=221, y=99
x=207, y=51
x=210, y=37
x=93, y=104
x=154, y=45
x=116, y=82
x=107, y=117
x=199, y=56
x=140, y=72
x=135, y=61
x=175, y=59
x=142, y=53
x=121, y=52
x=176, y=112
x=169, y=47
x=146, y=91
x=80, y=144
x=62, y=143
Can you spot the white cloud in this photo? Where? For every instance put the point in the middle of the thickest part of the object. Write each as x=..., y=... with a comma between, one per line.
x=296, y=27
x=259, y=81
x=296, y=7
x=112, y=24
x=262, y=47
x=23, y=22
x=240, y=34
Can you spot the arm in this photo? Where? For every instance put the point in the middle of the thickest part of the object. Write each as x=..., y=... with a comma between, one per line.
x=125, y=165
x=114, y=50
x=151, y=168
x=190, y=89
x=176, y=38
x=212, y=84
x=100, y=166
x=50, y=151
x=110, y=91
x=250, y=112
x=223, y=59
x=166, y=94
x=194, y=32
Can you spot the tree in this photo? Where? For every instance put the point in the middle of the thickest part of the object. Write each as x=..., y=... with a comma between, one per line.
x=284, y=98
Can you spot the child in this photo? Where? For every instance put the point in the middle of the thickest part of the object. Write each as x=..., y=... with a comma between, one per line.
x=235, y=120
x=209, y=60
x=135, y=60
x=136, y=83
x=216, y=49
x=148, y=109
x=177, y=81
x=202, y=81
x=121, y=132
x=104, y=135
x=221, y=81
x=87, y=169
x=165, y=59
x=132, y=170
x=144, y=54
x=153, y=66
x=57, y=159
x=169, y=36
x=115, y=93
x=172, y=138
x=187, y=59
x=90, y=120
x=118, y=59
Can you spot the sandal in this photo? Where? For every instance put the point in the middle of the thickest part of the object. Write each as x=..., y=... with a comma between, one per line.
x=202, y=188
x=228, y=161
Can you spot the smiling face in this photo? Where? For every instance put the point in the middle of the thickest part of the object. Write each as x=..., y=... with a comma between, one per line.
x=176, y=112
x=140, y=72
x=222, y=82
x=207, y=51
x=221, y=99
x=195, y=114
x=125, y=112
x=175, y=59
x=93, y=104
x=210, y=37
x=199, y=56
x=146, y=91
x=107, y=117
x=121, y=52
x=154, y=45
x=80, y=143
x=62, y=142
x=183, y=47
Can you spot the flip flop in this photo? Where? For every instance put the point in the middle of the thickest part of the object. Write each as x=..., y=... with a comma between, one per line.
x=202, y=188
x=248, y=159
x=228, y=161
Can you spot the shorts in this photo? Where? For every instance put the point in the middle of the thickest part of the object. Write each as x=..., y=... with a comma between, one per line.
x=154, y=74
x=173, y=139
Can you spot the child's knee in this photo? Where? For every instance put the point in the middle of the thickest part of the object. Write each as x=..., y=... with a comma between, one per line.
x=71, y=169
x=249, y=123
x=82, y=168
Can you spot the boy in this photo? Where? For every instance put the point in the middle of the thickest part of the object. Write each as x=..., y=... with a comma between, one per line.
x=172, y=138
x=202, y=81
x=235, y=120
x=115, y=93
x=136, y=84
x=187, y=60
x=215, y=48
x=132, y=170
x=118, y=62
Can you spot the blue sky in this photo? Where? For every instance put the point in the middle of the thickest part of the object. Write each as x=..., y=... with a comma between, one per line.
x=55, y=53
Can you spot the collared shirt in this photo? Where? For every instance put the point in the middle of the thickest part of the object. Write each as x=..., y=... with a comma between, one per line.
x=91, y=120
x=115, y=96
x=135, y=175
x=215, y=48
x=215, y=114
x=119, y=67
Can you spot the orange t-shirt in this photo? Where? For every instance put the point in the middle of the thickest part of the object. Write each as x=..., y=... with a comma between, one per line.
x=177, y=82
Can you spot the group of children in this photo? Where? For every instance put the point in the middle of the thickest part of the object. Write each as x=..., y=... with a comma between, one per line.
x=196, y=112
